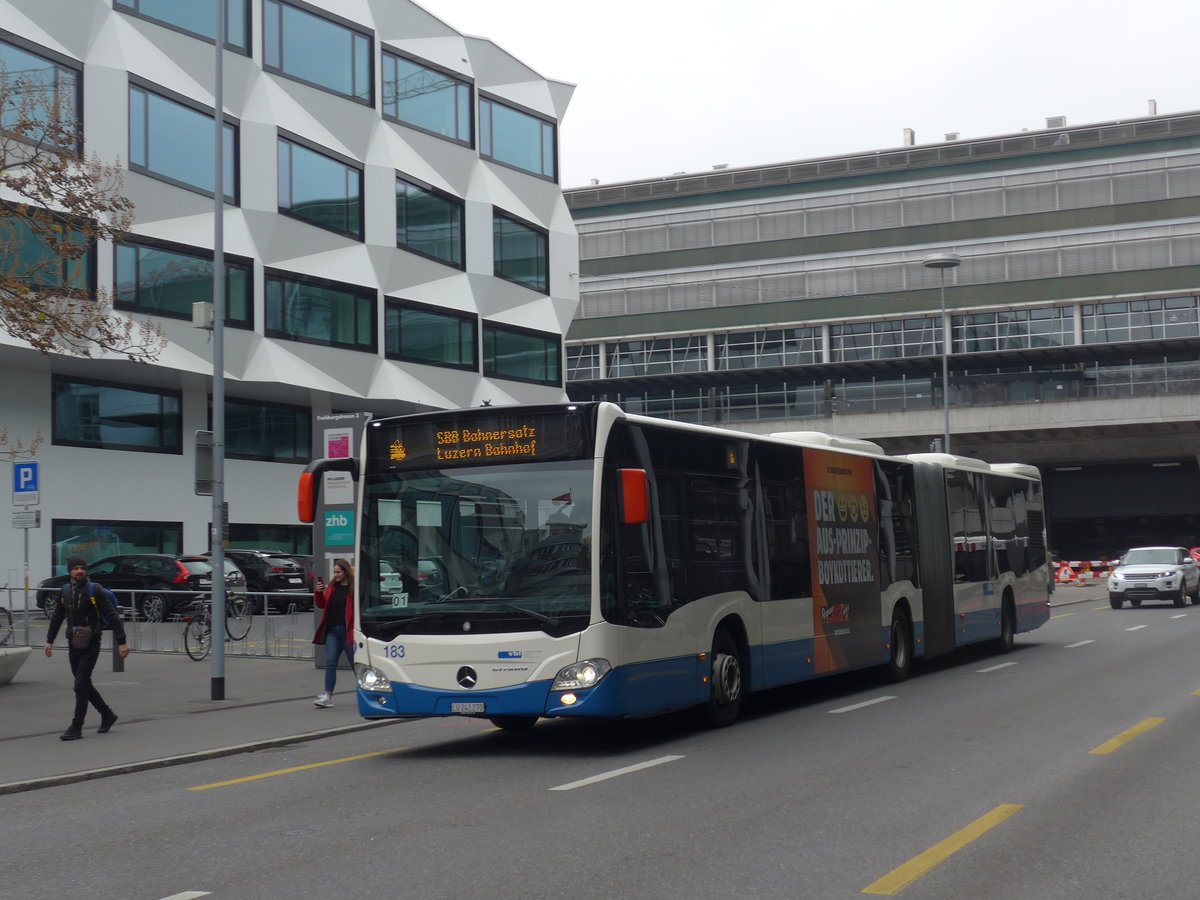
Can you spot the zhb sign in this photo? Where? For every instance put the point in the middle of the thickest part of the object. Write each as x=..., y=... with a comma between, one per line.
x=339, y=527
x=25, y=484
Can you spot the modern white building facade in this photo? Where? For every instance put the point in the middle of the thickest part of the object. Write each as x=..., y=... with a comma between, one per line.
x=395, y=239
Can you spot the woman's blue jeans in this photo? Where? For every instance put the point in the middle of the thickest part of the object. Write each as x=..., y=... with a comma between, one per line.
x=336, y=643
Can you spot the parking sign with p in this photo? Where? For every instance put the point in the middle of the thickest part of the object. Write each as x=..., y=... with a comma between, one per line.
x=25, y=484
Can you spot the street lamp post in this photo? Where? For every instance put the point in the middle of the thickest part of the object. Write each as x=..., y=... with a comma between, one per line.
x=942, y=262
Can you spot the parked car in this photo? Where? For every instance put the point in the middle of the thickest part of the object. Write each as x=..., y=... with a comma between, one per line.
x=1155, y=573
x=155, y=585
x=310, y=572
x=274, y=576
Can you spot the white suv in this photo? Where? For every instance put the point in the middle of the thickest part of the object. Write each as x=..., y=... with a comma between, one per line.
x=1154, y=573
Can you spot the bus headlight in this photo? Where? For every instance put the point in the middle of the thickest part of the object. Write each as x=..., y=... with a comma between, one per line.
x=584, y=674
x=371, y=679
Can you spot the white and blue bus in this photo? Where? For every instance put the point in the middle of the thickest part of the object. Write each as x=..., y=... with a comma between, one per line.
x=575, y=560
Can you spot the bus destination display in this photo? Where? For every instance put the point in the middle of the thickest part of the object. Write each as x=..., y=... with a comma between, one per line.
x=479, y=439
x=480, y=443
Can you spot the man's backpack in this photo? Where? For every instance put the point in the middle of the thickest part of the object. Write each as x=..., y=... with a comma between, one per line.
x=105, y=624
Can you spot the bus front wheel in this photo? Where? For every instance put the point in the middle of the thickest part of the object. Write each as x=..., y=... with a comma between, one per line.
x=900, y=660
x=726, y=682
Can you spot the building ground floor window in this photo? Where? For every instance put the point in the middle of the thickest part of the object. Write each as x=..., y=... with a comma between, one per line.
x=95, y=539
x=285, y=538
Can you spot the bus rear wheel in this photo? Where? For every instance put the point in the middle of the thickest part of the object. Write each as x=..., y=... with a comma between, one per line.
x=726, y=682
x=514, y=723
x=1008, y=624
x=901, y=640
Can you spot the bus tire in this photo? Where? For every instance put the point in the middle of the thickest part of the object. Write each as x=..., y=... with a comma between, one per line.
x=514, y=724
x=726, y=683
x=900, y=641
x=1008, y=625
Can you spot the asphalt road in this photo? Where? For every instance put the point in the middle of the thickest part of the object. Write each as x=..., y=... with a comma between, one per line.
x=1062, y=770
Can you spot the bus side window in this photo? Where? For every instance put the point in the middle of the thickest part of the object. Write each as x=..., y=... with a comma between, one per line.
x=786, y=521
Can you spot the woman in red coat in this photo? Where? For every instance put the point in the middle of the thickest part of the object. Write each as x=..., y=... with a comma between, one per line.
x=336, y=625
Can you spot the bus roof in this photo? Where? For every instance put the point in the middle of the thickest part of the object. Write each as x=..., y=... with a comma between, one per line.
x=833, y=441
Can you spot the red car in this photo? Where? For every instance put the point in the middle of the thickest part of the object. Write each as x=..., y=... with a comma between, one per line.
x=1195, y=554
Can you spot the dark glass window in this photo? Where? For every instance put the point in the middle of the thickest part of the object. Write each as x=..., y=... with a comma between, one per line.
x=427, y=98
x=320, y=312
x=286, y=538
x=429, y=222
x=173, y=140
x=583, y=362
x=96, y=539
x=319, y=189
x=267, y=431
x=516, y=138
x=521, y=354
x=166, y=279
x=36, y=88
x=27, y=253
x=196, y=17
x=310, y=46
x=521, y=252
x=436, y=337
x=94, y=414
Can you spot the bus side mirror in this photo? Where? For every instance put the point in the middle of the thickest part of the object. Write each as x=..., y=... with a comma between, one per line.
x=635, y=496
x=306, y=498
x=311, y=479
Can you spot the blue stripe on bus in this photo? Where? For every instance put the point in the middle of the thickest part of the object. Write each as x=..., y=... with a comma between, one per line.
x=979, y=625
x=636, y=690
x=642, y=689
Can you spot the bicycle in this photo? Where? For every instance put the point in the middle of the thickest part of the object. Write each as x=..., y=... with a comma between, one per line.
x=197, y=630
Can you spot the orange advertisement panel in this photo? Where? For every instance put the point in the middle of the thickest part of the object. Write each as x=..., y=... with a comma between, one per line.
x=843, y=532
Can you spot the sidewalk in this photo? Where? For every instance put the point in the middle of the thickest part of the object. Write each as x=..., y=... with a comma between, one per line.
x=166, y=714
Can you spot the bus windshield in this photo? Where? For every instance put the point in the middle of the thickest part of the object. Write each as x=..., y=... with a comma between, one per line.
x=497, y=548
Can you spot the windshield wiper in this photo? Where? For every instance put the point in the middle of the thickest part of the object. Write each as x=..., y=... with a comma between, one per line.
x=548, y=620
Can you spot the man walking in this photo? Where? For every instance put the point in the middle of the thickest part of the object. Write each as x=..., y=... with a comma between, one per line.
x=85, y=605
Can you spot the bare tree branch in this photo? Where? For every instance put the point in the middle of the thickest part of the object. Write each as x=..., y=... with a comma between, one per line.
x=60, y=204
x=17, y=450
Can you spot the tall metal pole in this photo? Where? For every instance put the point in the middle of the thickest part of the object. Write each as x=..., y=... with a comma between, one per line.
x=218, y=381
x=942, y=262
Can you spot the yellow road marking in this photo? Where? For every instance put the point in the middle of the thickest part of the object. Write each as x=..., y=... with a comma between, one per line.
x=332, y=762
x=894, y=881
x=1062, y=615
x=1126, y=736
x=1105, y=606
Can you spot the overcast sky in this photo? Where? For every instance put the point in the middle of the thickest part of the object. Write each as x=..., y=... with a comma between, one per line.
x=666, y=86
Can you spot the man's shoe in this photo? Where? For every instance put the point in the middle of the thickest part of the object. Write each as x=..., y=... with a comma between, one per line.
x=106, y=722
x=73, y=733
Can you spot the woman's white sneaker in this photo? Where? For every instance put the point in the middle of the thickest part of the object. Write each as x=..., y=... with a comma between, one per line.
x=323, y=701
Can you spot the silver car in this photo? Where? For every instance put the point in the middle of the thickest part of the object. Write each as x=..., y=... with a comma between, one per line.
x=1154, y=573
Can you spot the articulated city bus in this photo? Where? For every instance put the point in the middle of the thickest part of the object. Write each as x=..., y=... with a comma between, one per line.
x=574, y=560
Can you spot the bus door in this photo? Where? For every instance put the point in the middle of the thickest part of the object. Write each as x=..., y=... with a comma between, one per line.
x=974, y=567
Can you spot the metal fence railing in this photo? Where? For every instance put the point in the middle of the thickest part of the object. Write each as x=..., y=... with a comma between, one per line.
x=286, y=635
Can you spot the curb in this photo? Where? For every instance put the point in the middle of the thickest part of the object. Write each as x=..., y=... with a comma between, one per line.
x=33, y=784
